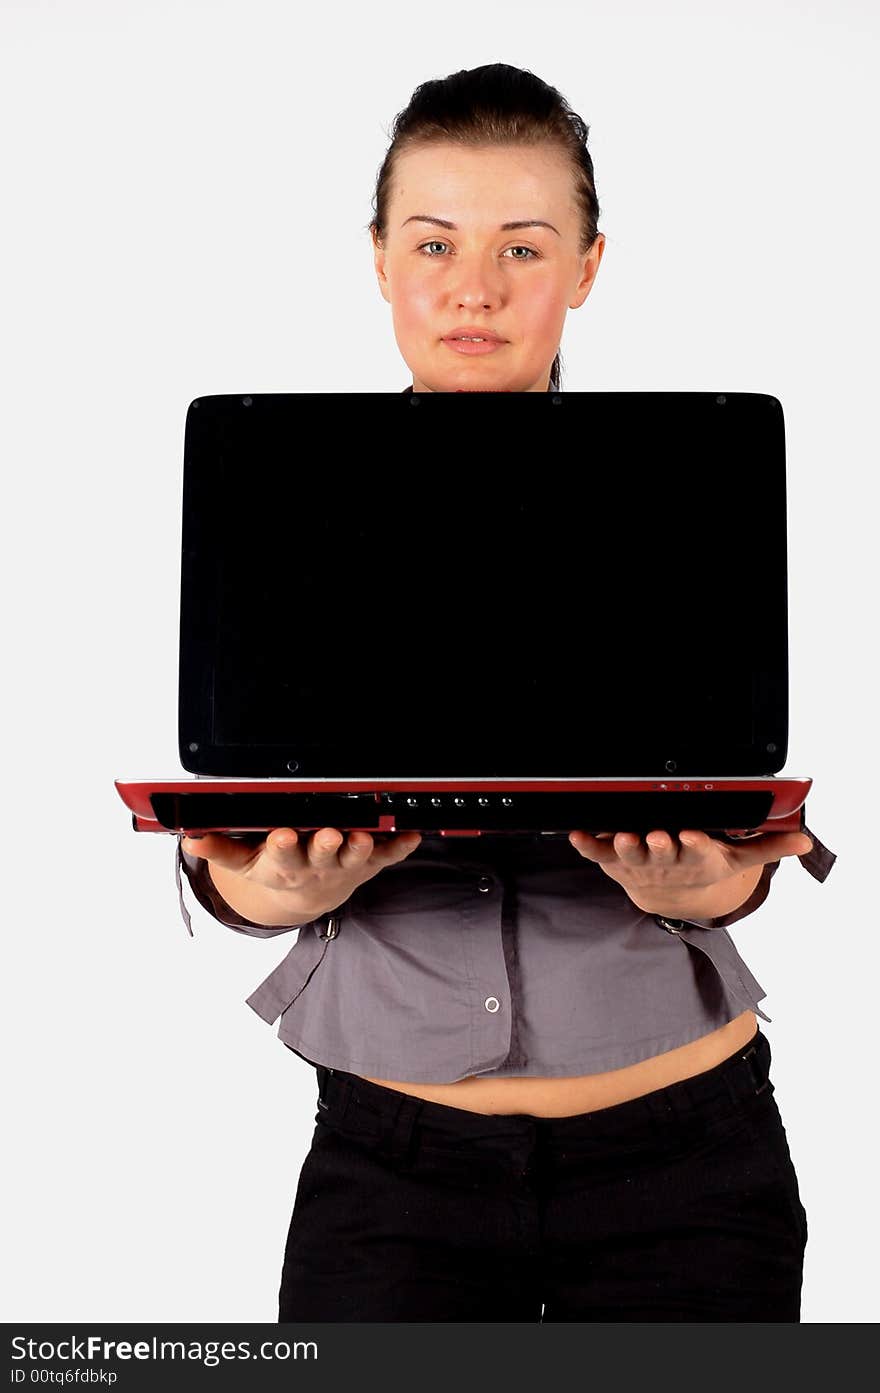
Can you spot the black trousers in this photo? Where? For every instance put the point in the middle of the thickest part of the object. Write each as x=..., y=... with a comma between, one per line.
x=681, y=1205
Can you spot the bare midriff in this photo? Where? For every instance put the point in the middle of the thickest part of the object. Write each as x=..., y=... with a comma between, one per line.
x=564, y=1097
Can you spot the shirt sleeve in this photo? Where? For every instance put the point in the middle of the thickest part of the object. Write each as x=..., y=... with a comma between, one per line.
x=195, y=868
x=818, y=862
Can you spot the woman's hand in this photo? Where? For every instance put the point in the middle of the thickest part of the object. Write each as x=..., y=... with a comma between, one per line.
x=693, y=861
x=309, y=874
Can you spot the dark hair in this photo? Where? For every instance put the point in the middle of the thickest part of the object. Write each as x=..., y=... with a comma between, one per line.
x=493, y=105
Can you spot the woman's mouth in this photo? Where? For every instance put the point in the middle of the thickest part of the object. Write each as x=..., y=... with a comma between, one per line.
x=472, y=346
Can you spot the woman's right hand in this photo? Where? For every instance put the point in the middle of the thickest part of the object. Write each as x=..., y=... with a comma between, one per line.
x=311, y=873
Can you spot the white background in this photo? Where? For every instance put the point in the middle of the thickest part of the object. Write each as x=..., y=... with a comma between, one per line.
x=186, y=189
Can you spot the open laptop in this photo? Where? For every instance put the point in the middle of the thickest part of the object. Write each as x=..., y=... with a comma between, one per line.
x=482, y=612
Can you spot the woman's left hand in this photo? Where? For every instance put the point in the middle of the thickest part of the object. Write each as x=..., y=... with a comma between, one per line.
x=692, y=861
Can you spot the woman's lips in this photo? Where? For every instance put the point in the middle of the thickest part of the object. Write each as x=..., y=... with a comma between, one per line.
x=461, y=346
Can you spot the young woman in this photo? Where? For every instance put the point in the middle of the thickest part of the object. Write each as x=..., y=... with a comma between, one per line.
x=542, y=1087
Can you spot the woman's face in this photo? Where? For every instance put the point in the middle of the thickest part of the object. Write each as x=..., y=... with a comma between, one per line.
x=516, y=282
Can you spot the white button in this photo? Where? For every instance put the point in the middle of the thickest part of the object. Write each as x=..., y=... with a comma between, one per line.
x=492, y=1003
x=485, y=883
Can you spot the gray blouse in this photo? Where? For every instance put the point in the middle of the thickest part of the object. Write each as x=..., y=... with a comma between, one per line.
x=496, y=955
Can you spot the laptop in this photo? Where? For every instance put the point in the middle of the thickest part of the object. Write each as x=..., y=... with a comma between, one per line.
x=481, y=612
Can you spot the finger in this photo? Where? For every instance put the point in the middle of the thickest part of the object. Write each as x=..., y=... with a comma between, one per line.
x=750, y=851
x=773, y=846
x=323, y=846
x=222, y=850
x=294, y=852
x=287, y=849
x=396, y=848
x=328, y=844
x=662, y=847
x=628, y=846
x=694, y=840
x=770, y=846
x=357, y=848
x=598, y=848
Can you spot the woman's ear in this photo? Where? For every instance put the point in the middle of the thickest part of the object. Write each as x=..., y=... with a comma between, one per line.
x=379, y=263
x=590, y=267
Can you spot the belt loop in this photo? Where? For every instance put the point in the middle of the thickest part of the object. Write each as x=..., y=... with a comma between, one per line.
x=760, y=1080
x=321, y=1074
x=333, y=1092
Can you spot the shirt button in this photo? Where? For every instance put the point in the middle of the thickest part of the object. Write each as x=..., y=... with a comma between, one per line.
x=484, y=883
x=492, y=1003
x=672, y=926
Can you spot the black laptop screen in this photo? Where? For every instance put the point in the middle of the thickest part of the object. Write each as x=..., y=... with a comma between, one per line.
x=483, y=585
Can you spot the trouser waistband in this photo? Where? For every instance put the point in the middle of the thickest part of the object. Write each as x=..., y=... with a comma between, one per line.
x=389, y=1118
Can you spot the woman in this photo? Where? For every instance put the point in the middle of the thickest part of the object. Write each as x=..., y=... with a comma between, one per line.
x=479, y=1170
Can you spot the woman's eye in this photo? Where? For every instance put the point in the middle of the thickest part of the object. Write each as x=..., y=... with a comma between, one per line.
x=531, y=254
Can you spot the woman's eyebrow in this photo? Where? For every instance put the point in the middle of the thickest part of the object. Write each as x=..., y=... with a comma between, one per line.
x=505, y=226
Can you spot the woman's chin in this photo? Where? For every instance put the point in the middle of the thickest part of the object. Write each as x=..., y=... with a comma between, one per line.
x=468, y=380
